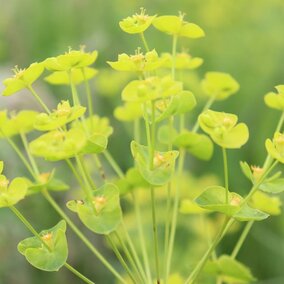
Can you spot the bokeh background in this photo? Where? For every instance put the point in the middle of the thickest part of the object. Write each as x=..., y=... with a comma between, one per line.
x=243, y=38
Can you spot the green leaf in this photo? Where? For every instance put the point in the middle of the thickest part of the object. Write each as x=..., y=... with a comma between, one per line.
x=128, y=112
x=246, y=170
x=41, y=257
x=58, y=145
x=12, y=193
x=152, y=88
x=22, y=79
x=275, y=148
x=77, y=76
x=231, y=270
x=163, y=164
x=136, y=24
x=189, y=207
x=22, y=122
x=104, y=214
x=214, y=199
x=223, y=129
x=199, y=145
x=219, y=85
x=59, y=117
x=273, y=186
x=174, y=25
x=266, y=203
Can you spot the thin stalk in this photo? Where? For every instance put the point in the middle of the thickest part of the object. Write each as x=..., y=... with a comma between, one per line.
x=142, y=239
x=30, y=156
x=207, y=106
x=36, y=234
x=40, y=101
x=87, y=173
x=134, y=253
x=242, y=239
x=21, y=156
x=89, y=96
x=226, y=176
x=100, y=167
x=113, y=164
x=75, y=172
x=75, y=97
x=174, y=51
x=129, y=257
x=175, y=214
x=137, y=130
x=78, y=274
x=120, y=259
x=144, y=41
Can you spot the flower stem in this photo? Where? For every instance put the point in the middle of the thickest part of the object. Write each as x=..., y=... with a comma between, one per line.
x=40, y=101
x=78, y=274
x=226, y=175
x=113, y=164
x=174, y=51
x=89, y=96
x=144, y=41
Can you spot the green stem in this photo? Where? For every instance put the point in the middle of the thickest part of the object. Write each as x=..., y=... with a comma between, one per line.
x=21, y=156
x=30, y=156
x=226, y=176
x=120, y=259
x=78, y=274
x=89, y=96
x=100, y=167
x=174, y=51
x=113, y=164
x=207, y=106
x=75, y=172
x=137, y=130
x=87, y=173
x=144, y=41
x=40, y=101
x=75, y=97
x=141, y=237
x=242, y=239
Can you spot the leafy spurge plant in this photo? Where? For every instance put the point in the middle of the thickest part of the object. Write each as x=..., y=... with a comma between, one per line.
x=156, y=97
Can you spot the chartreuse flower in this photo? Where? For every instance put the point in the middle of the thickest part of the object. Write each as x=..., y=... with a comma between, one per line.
x=23, y=79
x=11, y=192
x=223, y=129
x=163, y=164
x=214, y=198
x=71, y=59
x=219, y=85
x=275, y=100
x=59, y=117
x=199, y=145
x=97, y=131
x=104, y=214
x=230, y=269
x=49, y=257
x=19, y=123
x=138, y=62
x=136, y=24
x=183, y=61
x=275, y=147
x=176, y=26
x=150, y=89
x=77, y=76
x=128, y=112
x=59, y=145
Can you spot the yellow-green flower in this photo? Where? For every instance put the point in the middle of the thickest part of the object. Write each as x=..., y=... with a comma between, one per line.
x=275, y=148
x=275, y=100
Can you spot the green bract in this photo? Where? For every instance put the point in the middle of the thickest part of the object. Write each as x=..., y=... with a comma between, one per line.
x=59, y=145
x=104, y=214
x=138, y=62
x=273, y=186
x=214, y=199
x=275, y=100
x=219, y=85
x=97, y=130
x=175, y=25
x=50, y=257
x=275, y=148
x=180, y=103
x=223, y=129
x=199, y=145
x=77, y=76
x=11, y=192
x=71, y=59
x=59, y=117
x=128, y=112
x=150, y=89
x=22, y=122
x=163, y=164
x=189, y=207
x=138, y=23
x=182, y=61
x=231, y=270
x=22, y=79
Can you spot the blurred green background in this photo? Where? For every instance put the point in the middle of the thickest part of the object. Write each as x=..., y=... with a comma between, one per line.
x=243, y=38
